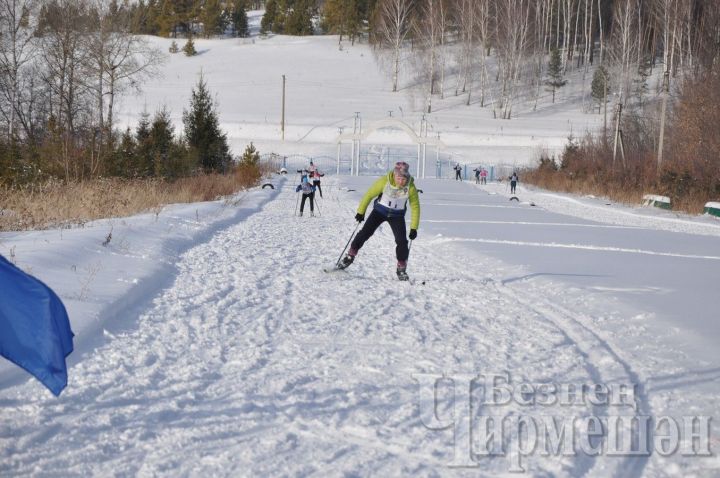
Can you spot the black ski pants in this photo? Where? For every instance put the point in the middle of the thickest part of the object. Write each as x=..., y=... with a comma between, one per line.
x=512, y=186
x=316, y=183
x=312, y=201
x=397, y=224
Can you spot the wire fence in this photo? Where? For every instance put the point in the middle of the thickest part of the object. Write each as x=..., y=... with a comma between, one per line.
x=376, y=161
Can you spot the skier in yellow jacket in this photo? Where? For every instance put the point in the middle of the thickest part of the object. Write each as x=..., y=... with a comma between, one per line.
x=391, y=194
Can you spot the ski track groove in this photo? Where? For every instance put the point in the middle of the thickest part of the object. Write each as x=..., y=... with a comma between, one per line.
x=247, y=364
x=579, y=334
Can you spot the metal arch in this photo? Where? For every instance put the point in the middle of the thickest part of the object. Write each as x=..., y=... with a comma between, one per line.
x=421, y=141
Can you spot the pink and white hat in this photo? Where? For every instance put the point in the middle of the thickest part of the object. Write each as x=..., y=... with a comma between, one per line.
x=402, y=169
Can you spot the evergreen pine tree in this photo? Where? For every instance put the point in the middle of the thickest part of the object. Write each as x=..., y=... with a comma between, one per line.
x=239, y=19
x=343, y=17
x=269, y=19
x=251, y=156
x=299, y=19
x=189, y=47
x=165, y=18
x=212, y=18
x=202, y=131
x=555, y=72
x=174, y=47
x=124, y=157
x=162, y=133
x=143, y=165
x=5, y=163
x=600, y=86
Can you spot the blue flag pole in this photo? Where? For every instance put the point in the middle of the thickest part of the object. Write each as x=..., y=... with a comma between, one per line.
x=35, y=330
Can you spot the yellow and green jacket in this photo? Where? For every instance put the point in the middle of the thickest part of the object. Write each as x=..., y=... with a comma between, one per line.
x=391, y=200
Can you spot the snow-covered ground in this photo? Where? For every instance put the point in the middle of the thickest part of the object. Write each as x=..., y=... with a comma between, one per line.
x=210, y=341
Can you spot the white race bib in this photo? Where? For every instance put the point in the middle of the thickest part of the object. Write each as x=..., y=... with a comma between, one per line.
x=394, y=198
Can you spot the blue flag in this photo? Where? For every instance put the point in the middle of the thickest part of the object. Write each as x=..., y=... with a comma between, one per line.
x=34, y=327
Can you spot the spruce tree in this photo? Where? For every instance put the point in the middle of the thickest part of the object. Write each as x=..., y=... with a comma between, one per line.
x=239, y=19
x=600, y=86
x=143, y=165
x=212, y=18
x=270, y=17
x=343, y=17
x=162, y=134
x=124, y=157
x=189, y=47
x=165, y=18
x=299, y=18
x=251, y=156
x=555, y=72
x=174, y=47
x=202, y=131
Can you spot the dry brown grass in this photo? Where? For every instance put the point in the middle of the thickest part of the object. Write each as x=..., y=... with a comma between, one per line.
x=556, y=181
x=612, y=188
x=59, y=204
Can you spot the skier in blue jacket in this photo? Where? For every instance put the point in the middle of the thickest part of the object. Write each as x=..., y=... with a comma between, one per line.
x=308, y=192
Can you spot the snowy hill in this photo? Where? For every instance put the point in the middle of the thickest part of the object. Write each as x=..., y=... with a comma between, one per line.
x=326, y=86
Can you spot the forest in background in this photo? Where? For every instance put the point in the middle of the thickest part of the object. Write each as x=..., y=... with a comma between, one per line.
x=64, y=63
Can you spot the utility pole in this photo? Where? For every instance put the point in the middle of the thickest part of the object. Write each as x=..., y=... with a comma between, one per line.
x=340, y=132
x=617, y=130
x=282, y=121
x=666, y=89
x=605, y=85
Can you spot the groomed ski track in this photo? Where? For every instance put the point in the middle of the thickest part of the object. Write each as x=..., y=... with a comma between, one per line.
x=256, y=363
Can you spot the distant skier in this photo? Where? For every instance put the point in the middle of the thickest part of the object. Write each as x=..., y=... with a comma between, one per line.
x=308, y=192
x=458, y=169
x=315, y=176
x=483, y=176
x=391, y=194
x=477, y=175
x=513, y=182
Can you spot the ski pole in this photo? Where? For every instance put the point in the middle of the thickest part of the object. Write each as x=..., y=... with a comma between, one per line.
x=297, y=201
x=317, y=205
x=346, y=245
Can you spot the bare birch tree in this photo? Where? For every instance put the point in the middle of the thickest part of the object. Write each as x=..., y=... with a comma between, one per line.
x=623, y=46
x=119, y=60
x=63, y=28
x=17, y=51
x=430, y=27
x=392, y=28
x=513, y=27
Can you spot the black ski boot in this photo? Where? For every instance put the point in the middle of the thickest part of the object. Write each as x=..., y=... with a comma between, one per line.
x=402, y=274
x=346, y=261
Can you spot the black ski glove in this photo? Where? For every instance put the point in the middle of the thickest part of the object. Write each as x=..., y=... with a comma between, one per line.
x=413, y=234
x=359, y=217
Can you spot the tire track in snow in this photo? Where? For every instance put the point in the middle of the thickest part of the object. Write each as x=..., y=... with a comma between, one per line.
x=594, y=349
